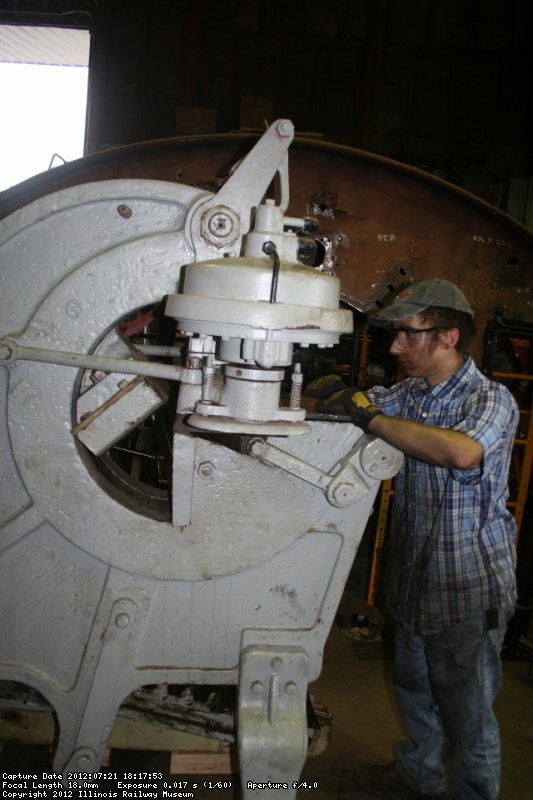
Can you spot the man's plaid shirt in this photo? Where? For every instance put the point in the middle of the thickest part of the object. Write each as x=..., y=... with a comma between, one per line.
x=452, y=543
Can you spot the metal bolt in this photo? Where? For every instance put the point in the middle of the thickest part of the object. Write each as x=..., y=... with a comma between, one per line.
x=257, y=447
x=257, y=688
x=206, y=470
x=291, y=688
x=7, y=352
x=83, y=762
x=122, y=620
x=220, y=224
x=96, y=376
x=344, y=494
x=284, y=128
x=124, y=211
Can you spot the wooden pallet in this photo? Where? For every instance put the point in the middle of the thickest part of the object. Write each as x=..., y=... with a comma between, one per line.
x=194, y=762
x=188, y=753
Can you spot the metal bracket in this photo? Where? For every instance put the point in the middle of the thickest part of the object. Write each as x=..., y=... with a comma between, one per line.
x=84, y=734
x=101, y=428
x=272, y=720
x=217, y=225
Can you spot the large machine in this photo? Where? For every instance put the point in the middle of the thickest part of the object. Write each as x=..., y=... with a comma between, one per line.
x=139, y=308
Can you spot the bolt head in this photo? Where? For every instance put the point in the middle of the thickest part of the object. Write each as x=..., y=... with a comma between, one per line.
x=285, y=128
x=124, y=210
x=344, y=495
x=206, y=470
x=122, y=620
x=220, y=226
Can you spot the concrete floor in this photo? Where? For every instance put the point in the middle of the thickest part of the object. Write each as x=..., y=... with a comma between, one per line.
x=355, y=686
x=357, y=692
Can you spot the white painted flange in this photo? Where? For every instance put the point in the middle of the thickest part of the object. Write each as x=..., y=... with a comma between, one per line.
x=229, y=425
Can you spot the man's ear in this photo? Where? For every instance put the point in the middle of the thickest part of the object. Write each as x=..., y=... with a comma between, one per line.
x=450, y=337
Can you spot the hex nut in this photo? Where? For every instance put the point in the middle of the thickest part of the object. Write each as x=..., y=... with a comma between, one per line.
x=344, y=495
x=220, y=226
x=206, y=470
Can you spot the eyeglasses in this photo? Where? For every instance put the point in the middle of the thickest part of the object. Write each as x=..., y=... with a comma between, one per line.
x=411, y=333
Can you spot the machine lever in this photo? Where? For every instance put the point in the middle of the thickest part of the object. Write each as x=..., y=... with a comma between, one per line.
x=11, y=351
x=217, y=224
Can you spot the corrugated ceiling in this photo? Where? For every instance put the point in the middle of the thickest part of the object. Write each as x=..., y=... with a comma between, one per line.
x=21, y=44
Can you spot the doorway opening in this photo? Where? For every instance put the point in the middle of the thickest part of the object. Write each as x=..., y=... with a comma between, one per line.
x=43, y=99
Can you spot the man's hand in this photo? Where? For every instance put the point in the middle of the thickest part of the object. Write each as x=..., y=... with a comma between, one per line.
x=359, y=407
x=352, y=401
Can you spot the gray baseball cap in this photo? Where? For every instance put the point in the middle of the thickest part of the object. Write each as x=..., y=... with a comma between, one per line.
x=419, y=296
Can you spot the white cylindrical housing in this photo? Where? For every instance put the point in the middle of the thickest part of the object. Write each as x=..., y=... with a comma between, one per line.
x=252, y=394
x=230, y=297
x=268, y=227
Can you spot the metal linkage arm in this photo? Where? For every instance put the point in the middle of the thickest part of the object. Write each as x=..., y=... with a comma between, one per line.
x=349, y=480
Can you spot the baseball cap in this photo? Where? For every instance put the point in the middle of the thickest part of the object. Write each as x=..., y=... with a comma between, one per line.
x=421, y=295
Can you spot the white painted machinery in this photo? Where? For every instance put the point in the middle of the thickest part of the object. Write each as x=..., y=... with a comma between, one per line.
x=105, y=586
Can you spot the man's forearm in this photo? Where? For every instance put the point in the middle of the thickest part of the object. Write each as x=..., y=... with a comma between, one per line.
x=440, y=446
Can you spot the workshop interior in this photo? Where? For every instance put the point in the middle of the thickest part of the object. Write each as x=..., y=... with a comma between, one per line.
x=184, y=538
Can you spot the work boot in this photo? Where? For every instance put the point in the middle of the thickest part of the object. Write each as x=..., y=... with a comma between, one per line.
x=383, y=780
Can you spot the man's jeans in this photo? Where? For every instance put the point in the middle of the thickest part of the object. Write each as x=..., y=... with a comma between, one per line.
x=445, y=686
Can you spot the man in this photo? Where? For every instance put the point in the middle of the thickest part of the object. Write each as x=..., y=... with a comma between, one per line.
x=451, y=564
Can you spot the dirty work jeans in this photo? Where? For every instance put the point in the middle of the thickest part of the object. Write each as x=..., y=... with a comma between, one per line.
x=445, y=685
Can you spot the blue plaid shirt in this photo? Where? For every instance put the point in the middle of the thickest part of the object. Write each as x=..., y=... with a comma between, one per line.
x=452, y=546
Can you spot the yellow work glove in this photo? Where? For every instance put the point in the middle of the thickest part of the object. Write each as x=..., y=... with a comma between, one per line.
x=353, y=401
x=360, y=408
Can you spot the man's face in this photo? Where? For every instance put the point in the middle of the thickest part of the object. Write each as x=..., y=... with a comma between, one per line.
x=417, y=348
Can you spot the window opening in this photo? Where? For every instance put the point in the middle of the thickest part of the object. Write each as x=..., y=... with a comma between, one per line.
x=43, y=99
